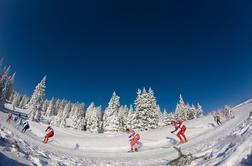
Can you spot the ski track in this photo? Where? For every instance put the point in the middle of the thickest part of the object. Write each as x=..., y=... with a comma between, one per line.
x=216, y=144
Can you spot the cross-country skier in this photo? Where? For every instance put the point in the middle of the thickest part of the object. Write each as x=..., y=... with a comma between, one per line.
x=134, y=138
x=182, y=128
x=49, y=133
x=26, y=126
x=9, y=117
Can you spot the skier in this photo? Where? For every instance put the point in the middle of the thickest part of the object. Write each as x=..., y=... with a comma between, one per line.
x=217, y=118
x=134, y=138
x=226, y=113
x=26, y=126
x=9, y=117
x=15, y=119
x=231, y=114
x=49, y=133
x=179, y=125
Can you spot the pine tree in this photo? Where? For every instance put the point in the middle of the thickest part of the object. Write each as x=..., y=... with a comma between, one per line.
x=89, y=112
x=57, y=106
x=123, y=115
x=35, y=104
x=16, y=100
x=24, y=100
x=51, y=110
x=147, y=113
x=79, y=120
x=110, y=118
x=9, y=86
x=4, y=86
x=168, y=117
x=191, y=112
x=93, y=122
x=73, y=111
x=199, y=111
x=65, y=114
x=181, y=109
x=130, y=117
x=45, y=105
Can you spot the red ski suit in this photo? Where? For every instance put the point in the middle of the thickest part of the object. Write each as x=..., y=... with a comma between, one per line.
x=134, y=138
x=179, y=125
x=9, y=118
x=50, y=133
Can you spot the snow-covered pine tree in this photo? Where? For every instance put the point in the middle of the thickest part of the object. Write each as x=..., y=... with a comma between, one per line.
x=110, y=118
x=123, y=115
x=16, y=100
x=93, y=122
x=147, y=113
x=160, y=117
x=181, y=109
x=4, y=86
x=50, y=111
x=24, y=100
x=130, y=117
x=45, y=105
x=73, y=111
x=199, y=111
x=191, y=112
x=89, y=112
x=35, y=104
x=65, y=115
x=12, y=97
x=99, y=112
x=167, y=117
x=9, y=86
x=61, y=107
x=79, y=120
x=57, y=106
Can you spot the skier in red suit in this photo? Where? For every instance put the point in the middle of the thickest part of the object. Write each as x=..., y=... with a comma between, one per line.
x=49, y=133
x=134, y=138
x=182, y=128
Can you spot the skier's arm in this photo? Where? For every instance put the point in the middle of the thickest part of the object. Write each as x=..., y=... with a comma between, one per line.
x=176, y=128
x=47, y=129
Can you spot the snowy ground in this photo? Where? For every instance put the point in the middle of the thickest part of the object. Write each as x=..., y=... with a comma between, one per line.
x=230, y=144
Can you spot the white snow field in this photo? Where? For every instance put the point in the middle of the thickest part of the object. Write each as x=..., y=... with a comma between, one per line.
x=230, y=144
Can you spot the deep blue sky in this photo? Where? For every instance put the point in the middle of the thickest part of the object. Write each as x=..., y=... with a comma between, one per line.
x=88, y=49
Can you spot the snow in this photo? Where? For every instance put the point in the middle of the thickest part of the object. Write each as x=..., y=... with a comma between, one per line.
x=224, y=145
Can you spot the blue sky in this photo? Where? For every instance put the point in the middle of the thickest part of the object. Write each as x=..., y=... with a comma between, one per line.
x=88, y=49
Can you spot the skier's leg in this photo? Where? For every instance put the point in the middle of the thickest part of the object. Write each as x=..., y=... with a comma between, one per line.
x=131, y=145
x=179, y=136
x=46, y=139
x=183, y=135
x=24, y=129
x=136, y=148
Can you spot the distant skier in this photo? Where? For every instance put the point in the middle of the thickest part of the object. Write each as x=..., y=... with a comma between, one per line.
x=26, y=126
x=17, y=118
x=231, y=114
x=217, y=118
x=134, y=138
x=9, y=117
x=49, y=133
x=182, y=128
